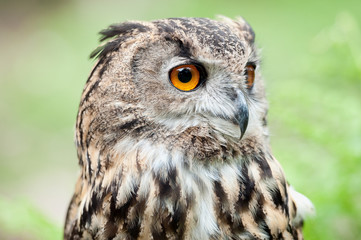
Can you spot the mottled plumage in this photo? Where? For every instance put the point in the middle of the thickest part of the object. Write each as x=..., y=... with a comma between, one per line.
x=160, y=163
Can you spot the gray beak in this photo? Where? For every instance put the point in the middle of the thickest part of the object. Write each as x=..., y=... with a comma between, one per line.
x=242, y=112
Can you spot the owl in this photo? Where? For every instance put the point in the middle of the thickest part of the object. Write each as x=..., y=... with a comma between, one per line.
x=172, y=138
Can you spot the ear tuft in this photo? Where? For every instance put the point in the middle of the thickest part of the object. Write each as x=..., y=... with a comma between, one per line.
x=118, y=33
x=242, y=26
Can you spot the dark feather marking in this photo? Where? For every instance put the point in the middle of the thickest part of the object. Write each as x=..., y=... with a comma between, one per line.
x=261, y=223
x=116, y=213
x=165, y=28
x=276, y=196
x=110, y=230
x=76, y=233
x=214, y=36
x=175, y=222
x=178, y=220
x=292, y=231
x=122, y=211
x=100, y=62
x=91, y=130
x=123, y=128
x=98, y=166
x=234, y=222
x=123, y=31
x=246, y=191
x=169, y=189
x=224, y=152
x=85, y=217
x=224, y=212
x=164, y=185
x=294, y=208
x=262, y=163
x=264, y=121
x=285, y=202
x=259, y=216
x=102, y=158
x=142, y=128
x=70, y=207
x=91, y=89
x=114, y=191
x=89, y=165
x=94, y=205
x=220, y=193
x=133, y=225
x=128, y=125
x=285, y=206
x=89, y=212
x=80, y=157
x=107, y=162
x=184, y=48
x=161, y=235
x=245, y=235
x=79, y=127
x=194, y=139
x=104, y=67
x=102, y=51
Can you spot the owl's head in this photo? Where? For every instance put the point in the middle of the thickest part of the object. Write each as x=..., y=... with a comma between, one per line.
x=172, y=78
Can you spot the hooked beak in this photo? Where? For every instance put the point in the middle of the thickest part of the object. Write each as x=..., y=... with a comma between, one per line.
x=242, y=112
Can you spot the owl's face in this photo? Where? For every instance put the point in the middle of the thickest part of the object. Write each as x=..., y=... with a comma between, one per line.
x=173, y=75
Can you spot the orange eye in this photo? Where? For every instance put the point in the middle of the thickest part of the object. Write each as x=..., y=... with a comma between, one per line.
x=250, y=75
x=185, y=77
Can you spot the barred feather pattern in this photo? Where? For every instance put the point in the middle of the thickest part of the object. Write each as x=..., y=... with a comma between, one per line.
x=153, y=166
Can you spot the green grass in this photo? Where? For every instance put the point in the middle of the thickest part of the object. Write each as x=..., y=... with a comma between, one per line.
x=312, y=66
x=19, y=219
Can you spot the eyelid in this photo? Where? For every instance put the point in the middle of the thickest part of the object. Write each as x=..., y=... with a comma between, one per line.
x=253, y=64
x=202, y=70
x=197, y=64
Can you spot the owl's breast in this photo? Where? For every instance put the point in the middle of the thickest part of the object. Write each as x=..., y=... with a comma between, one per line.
x=153, y=193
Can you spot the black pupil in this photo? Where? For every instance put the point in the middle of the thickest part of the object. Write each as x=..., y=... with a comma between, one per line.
x=184, y=75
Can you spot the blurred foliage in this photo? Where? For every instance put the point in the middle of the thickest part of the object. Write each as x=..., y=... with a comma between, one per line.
x=311, y=54
x=324, y=120
x=20, y=220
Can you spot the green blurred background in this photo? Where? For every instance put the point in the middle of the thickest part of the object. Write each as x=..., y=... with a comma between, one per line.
x=311, y=63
